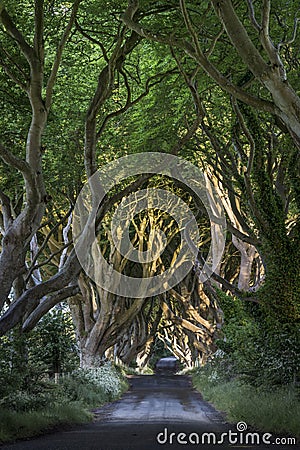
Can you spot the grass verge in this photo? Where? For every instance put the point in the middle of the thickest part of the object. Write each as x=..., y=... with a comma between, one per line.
x=24, y=414
x=276, y=411
x=16, y=425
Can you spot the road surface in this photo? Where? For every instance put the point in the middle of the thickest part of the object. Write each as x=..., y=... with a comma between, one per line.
x=158, y=412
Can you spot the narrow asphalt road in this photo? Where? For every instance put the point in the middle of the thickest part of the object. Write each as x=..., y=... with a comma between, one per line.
x=150, y=416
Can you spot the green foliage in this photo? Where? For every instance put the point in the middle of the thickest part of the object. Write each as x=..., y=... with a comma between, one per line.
x=240, y=332
x=25, y=413
x=53, y=342
x=278, y=356
x=256, y=345
x=16, y=425
x=94, y=386
x=159, y=351
x=276, y=411
x=25, y=360
x=259, y=354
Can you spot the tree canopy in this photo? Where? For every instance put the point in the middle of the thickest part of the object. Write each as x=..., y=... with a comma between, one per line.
x=215, y=83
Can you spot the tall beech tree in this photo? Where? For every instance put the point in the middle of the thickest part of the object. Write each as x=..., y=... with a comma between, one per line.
x=33, y=60
x=248, y=56
x=213, y=82
x=33, y=63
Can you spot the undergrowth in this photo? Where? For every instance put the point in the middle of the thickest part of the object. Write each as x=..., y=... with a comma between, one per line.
x=16, y=425
x=30, y=411
x=275, y=410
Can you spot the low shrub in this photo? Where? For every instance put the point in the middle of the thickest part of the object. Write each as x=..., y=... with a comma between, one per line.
x=26, y=413
x=25, y=401
x=94, y=386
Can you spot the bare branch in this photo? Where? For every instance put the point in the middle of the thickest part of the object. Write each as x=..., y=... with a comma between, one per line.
x=267, y=43
x=46, y=240
x=151, y=82
x=6, y=210
x=48, y=303
x=226, y=285
x=123, y=47
x=14, y=32
x=248, y=170
x=201, y=59
x=266, y=17
x=294, y=34
x=213, y=44
x=244, y=237
x=252, y=16
x=65, y=233
x=28, y=301
x=12, y=76
x=221, y=150
x=39, y=29
x=90, y=38
x=59, y=53
x=109, y=201
x=248, y=136
x=205, y=323
x=9, y=72
x=19, y=164
x=49, y=259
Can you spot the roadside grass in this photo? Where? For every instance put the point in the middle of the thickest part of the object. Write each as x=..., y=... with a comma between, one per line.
x=274, y=411
x=53, y=405
x=16, y=425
